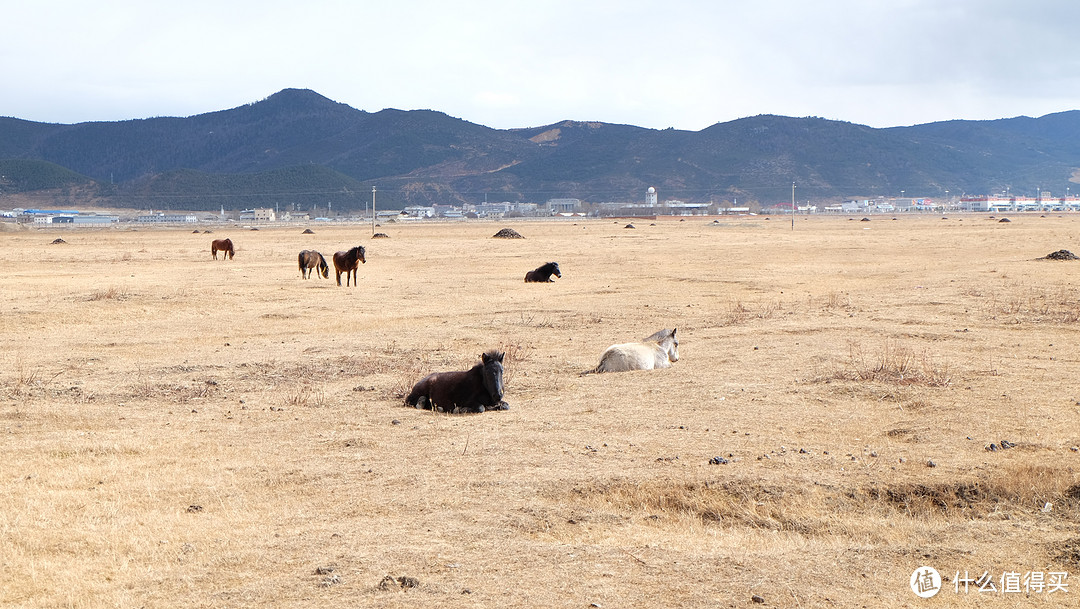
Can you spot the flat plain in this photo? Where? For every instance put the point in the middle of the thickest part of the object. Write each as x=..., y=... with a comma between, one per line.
x=854, y=400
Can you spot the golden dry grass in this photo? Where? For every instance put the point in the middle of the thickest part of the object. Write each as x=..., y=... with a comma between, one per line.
x=179, y=431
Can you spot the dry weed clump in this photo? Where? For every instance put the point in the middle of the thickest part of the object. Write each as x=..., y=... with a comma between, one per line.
x=1023, y=487
x=894, y=364
x=305, y=395
x=813, y=508
x=1037, y=305
x=739, y=312
x=109, y=293
x=1032, y=304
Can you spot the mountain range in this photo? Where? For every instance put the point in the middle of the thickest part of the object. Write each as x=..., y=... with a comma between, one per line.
x=298, y=148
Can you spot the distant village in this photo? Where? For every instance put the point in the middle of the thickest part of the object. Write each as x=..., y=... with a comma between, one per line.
x=651, y=206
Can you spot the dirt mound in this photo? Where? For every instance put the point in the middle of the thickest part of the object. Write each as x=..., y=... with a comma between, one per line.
x=1060, y=255
x=57, y=241
x=508, y=233
x=308, y=231
x=380, y=236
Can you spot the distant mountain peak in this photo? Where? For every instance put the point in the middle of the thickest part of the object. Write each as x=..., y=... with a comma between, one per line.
x=297, y=100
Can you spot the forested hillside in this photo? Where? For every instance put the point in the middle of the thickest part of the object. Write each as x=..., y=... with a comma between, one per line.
x=299, y=148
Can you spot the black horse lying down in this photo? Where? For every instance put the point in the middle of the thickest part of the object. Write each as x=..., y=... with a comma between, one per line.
x=543, y=274
x=475, y=390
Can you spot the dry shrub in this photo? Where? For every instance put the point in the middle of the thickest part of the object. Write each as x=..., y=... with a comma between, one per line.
x=896, y=364
x=513, y=354
x=179, y=393
x=110, y=293
x=305, y=395
x=24, y=382
x=1032, y=304
x=740, y=312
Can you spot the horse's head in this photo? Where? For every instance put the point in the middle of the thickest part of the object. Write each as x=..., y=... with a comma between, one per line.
x=360, y=254
x=323, y=267
x=554, y=266
x=493, y=373
x=668, y=342
x=671, y=344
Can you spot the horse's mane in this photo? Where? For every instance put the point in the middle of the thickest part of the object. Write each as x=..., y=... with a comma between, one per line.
x=658, y=336
x=495, y=354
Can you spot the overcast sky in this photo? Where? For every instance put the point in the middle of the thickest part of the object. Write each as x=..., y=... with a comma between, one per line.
x=676, y=63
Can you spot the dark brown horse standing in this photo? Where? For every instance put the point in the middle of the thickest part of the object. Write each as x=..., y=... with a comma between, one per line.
x=348, y=262
x=475, y=390
x=543, y=274
x=222, y=245
x=310, y=259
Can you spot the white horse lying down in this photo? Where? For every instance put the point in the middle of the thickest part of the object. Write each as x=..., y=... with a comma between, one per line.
x=656, y=351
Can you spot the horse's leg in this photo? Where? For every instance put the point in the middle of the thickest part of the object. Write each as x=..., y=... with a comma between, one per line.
x=338, y=278
x=420, y=395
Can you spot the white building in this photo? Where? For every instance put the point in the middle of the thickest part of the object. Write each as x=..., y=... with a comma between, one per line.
x=259, y=214
x=162, y=218
x=418, y=211
x=558, y=206
x=650, y=197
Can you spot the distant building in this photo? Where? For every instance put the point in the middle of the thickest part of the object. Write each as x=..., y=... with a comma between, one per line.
x=650, y=197
x=494, y=210
x=557, y=206
x=95, y=219
x=679, y=208
x=259, y=214
x=418, y=211
x=161, y=218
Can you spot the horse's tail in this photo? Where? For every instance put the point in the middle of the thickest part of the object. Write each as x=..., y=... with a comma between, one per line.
x=595, y=370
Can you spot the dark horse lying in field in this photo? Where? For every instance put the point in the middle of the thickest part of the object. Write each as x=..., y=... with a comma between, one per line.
x=543, y=274
x=475, y=390
x=310, y=259
x=222, y=245
x=348, y=262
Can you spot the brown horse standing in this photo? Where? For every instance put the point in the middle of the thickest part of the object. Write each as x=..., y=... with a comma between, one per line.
x=310, y=259
x=348, y=262
x=222, y=245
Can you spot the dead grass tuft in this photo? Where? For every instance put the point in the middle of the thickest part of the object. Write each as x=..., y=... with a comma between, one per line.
x=894, y=364
x=110, y=293
x=741, y=312
x=813, y=508
x=1033, y=304
x=305, y=395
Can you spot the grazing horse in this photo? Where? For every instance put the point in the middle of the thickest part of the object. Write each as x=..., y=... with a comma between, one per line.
x=221, y=245
x=310, y=259
x=475, y=390
x=543, y=274
x=657, y=351
x=348, y=262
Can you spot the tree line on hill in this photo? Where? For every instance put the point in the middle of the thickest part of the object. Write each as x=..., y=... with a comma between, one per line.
x=297, y=149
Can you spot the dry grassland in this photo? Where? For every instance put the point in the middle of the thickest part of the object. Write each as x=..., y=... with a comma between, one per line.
x=184, y=432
